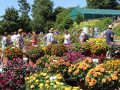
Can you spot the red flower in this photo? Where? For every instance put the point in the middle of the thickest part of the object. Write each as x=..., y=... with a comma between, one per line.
x=17, y=53
x=6, y=55
x=10, y=52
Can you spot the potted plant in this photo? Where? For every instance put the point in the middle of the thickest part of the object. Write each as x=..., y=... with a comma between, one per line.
x=34, y=53
x=12, y=52
x=99, y=78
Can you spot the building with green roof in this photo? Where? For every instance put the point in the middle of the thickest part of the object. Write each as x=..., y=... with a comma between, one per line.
x=94, y=13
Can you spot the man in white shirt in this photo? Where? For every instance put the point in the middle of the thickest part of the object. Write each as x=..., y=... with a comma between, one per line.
x=82, y=36
x=67, y=38
x=50, y=37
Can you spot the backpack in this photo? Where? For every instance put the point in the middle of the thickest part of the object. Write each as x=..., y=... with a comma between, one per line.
x=86, y=37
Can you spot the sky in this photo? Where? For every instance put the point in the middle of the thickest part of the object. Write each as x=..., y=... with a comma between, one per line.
x=4, y=4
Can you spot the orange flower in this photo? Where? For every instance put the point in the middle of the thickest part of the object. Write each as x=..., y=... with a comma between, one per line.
x=95, y=75
x=103, y=80
x=42, y=57
x=108, y=78
x=114, y=77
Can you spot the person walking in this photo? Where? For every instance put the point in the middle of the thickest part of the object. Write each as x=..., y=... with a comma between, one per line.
x=34, y=39
x=50, y=37
x=67, y=38
x=19, y=39
x=109, y=35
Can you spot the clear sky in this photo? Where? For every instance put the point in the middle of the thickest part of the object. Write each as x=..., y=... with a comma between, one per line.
x=4, y=4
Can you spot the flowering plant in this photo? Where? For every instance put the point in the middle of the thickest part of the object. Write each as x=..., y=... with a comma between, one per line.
x=56, y=49
x=71, y=57
x=12, y=52
x=113, y=65
x=99, y=78
x=41, y=81
x=79, y=70
x=14, y=73
x=43, y=62
x=34, y=52
x=71, y=48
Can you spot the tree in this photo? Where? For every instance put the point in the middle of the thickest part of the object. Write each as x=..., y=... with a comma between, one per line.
x=79, y=18
x=102, y=4
x=24, y=7
x=63, y=21
x=42, y=14
x=58, y=10
x=24, y=22
x=10, y=20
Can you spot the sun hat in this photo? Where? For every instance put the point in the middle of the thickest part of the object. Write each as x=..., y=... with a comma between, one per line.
x=110, y=26
x=20, y=30
x=51, y=30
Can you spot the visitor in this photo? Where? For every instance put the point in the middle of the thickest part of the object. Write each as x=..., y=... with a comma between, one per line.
x=56, y=32
x=96, y=31
x=73, y=32
x=50, y=37
x=19, y=39
x=67, y=38
x=5, y=42
x=82, y=36
x=91, y=31
x=34, y=39
x=13, y=38
x=109, y=35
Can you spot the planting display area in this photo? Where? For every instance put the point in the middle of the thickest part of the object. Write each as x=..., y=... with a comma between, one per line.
x=60, y=67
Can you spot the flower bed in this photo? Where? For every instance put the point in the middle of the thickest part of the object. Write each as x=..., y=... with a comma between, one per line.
x=12, y=52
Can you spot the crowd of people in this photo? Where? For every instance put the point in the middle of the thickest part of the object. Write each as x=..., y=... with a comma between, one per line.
x=18, y=39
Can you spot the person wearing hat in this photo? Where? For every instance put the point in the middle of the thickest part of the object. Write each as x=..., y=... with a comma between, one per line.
x=109, y=35
x=50, y=37
x=67, y=38
x=19, y=39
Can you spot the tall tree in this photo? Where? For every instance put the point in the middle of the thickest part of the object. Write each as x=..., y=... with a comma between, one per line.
x=102, y=4
x=24, y=19
x=24, y=7
x=42, y=14
x=10, y=20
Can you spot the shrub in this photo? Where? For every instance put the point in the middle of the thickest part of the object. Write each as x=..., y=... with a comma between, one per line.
x=79, y=18
x=35, y=52
x=13, y=52
x=56, y=49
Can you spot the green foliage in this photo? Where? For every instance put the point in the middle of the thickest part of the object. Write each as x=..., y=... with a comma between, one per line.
x=102, y=4
x=42, y=13
x=79, y=18
x=63, y=21
x=103, y=24
x=24, y=7
x=24, y=22
x=117, y=31
x=10, y=20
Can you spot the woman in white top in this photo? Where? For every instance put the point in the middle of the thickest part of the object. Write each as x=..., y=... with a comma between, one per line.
x=67, y=38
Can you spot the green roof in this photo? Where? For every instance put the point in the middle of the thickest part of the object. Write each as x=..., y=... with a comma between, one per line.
x=94, y=13
x=98, y=11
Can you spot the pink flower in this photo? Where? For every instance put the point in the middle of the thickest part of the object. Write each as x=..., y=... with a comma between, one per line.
x=18, y=81
x=21, y=76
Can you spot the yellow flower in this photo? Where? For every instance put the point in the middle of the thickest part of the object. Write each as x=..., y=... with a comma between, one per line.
x=75, y=87
x=34, y=78
x=27, y=78
x=32, y=86
x=37, y=81
x=46, y=85
x=44, y=74
x=41, y=85
x=47, y=81
x=51, y=84
x=41, y=73
x=57, y=83
x=47, y=77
